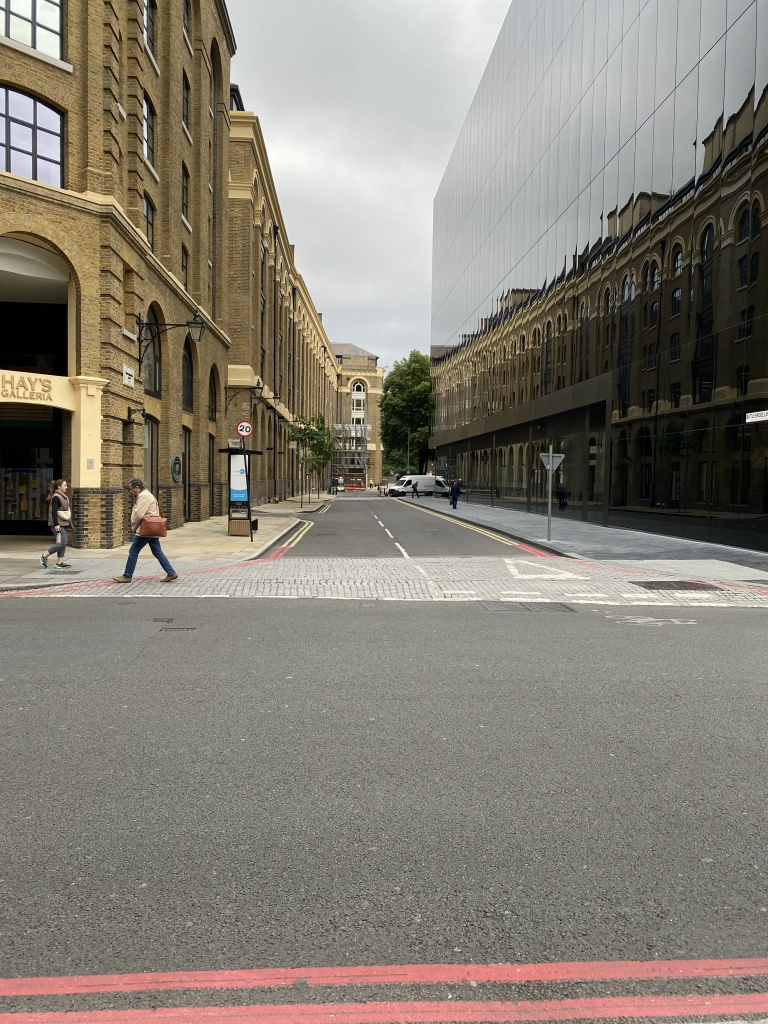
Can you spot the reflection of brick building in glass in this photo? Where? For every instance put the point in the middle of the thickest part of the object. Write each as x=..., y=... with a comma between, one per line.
x=641, y=353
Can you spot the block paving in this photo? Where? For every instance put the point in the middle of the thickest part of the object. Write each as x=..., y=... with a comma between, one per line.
x=538, y=580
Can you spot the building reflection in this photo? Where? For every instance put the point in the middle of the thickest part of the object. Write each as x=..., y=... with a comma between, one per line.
x=618, y=155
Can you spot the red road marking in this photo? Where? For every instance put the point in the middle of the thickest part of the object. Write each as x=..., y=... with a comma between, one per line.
x=419, y=1013
x=536, y=551
x=408, y=974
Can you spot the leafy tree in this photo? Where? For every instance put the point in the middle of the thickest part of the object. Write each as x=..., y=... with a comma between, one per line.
x=406, y=405
x=315, y=442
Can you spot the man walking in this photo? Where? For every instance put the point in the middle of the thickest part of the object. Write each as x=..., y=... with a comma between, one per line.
x=415, y=489
x=144, y=504
x=455, y=492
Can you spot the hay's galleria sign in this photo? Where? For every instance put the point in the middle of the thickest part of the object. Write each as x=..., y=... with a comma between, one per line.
x=26, y=387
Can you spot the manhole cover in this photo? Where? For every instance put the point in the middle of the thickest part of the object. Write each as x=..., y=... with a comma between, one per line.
x=514, y=606
x=675, y=585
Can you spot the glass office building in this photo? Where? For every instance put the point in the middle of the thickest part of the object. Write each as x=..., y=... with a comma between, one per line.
x=599, y=267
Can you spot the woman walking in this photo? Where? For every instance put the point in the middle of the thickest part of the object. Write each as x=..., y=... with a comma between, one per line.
x=59, y=520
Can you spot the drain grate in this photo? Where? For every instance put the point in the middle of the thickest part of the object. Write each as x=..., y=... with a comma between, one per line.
x=178, y=629
x=675, y=585
x=514, y=606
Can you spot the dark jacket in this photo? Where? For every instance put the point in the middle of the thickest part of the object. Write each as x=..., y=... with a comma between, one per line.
x=455, y=490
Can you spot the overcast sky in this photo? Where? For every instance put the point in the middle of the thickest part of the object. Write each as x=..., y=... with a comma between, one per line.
x=361, y=102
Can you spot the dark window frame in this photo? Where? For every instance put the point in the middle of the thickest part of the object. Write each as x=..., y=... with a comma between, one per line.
x=186, y=93
x=7, y=26
x=185, y=267
x=184, y=192
x=187, y=379
x=11, y=141
x=153, y=357
x=149, y=221
x=150, y=26
x=150, y=126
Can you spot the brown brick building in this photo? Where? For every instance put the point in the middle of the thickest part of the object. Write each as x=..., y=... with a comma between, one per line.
x=128, y=188
x=358, y=451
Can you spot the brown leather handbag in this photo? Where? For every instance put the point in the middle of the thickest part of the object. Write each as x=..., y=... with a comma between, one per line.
x=154, y=526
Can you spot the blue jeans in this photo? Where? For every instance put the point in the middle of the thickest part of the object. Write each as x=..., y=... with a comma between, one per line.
x=154, y=547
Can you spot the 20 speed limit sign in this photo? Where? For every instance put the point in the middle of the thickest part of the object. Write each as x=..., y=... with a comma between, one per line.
x=244, y=428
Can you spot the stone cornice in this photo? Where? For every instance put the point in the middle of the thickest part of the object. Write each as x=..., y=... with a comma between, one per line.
x=226, y=24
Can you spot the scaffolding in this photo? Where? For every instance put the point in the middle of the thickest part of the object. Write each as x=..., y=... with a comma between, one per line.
x=350, y=452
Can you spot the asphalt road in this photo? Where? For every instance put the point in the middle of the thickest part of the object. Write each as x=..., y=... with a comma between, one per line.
x=209, y=784
x=373, y=527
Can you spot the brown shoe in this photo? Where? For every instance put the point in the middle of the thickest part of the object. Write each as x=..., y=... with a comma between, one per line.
x=170, y=578
x=122, y=579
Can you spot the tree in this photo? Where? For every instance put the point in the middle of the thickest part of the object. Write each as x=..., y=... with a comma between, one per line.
x=315, y=442
x=406, y=409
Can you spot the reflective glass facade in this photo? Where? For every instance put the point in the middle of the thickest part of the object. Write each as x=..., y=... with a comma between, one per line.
x=599, y=273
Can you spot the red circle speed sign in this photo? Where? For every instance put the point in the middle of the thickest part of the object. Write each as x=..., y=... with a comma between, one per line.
x=244, y=428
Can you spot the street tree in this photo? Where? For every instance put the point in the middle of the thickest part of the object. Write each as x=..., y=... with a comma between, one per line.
x=406, y=414
x=314, y=440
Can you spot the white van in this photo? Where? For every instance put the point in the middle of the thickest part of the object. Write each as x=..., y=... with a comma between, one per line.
x=427, y=485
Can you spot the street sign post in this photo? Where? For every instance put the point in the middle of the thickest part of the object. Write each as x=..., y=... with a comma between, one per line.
x=551, y=463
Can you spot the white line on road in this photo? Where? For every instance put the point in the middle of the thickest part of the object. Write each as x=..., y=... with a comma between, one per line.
x=405, y=553
x=388, y=533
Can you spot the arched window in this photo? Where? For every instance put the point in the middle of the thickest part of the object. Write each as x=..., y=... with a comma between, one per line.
x=743, y=232
x=187, y=18
x=655, y=277
x=212, y=402
x=187, y=380
x=607, y=301
x=646, y=278
x=632, y=286
x=152, y=364
x=677, y=262
x=625, y=290
x=30, y=138
x=707, y=242
x=36, y=23
x=358, y=387
x=756, y=221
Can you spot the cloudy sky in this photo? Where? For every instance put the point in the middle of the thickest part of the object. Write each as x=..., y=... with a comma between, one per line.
x=360, y=102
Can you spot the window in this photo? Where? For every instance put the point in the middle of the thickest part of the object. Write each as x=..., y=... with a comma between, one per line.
x=756, y=221
x=187, y=18
x=651, y=398
x=677, y=260
x=151, y=453
x=185, y=267
x=152, y=364
x=30, y=138
x=755, y=268
x=674, y=346
x=185, y=91
x=212, y=404
x=149, y=221
x=646, y=278
x=654, y=313
x=745, y=323
x=187, y=380
x=645, y=316
x=184, y=192
x=742, y=380
x=655, y=277
x=743, y=232
x=650, y=359
x=36, y=23
x=743, y=271
x=358, y=387
x=675, y=393
x=149, y=131
x=677, y=301
x=150, y=14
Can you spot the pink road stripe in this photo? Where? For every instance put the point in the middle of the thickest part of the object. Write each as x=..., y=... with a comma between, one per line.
x=408, y=974
x=536, y=551
x=647, y=1007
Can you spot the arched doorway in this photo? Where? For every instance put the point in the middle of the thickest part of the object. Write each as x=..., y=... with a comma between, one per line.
x=34, y=418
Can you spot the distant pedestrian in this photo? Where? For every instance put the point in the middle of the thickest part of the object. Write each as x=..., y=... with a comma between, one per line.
x=415, y=489
x=144, y=504
x=59, y=521
x=370, y=485
x=562, y=504
x=455, y=492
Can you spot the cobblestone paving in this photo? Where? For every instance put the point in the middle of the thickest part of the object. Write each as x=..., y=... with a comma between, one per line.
x=517, y=580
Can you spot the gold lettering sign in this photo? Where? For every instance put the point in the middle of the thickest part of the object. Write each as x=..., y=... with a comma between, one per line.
x=25, y=388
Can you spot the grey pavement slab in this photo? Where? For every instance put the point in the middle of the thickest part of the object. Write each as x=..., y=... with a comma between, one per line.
x=588, y=540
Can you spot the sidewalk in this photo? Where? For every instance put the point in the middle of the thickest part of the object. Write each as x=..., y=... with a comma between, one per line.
x=192, y=544
x=578, y=539
x=292, y=506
